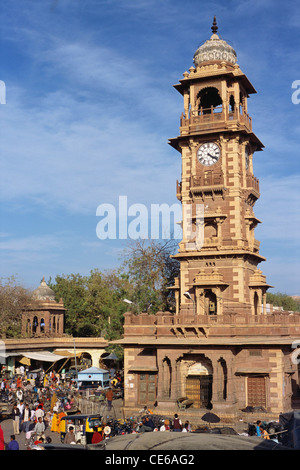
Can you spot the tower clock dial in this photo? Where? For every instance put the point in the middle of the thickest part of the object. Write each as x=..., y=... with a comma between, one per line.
x=209, y=153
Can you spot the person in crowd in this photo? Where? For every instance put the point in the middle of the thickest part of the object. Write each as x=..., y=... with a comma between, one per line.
x=264, y=434
x=177, y=424
x=13, y=444
x=109, y=397
x=26, y=418
x=70, y=436
x=165, y=426
x=16, y=419
x=39, y=428
x=146, y=411
x=258, y=426
x=97, y=436
x=2, y=443
x=147, y=425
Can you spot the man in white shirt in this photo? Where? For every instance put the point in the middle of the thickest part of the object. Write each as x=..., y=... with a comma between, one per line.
x=39, y=412
x=39, y=429
x=26, y=418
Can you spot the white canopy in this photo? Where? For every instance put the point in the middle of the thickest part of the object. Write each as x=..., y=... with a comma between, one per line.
x=42, y=356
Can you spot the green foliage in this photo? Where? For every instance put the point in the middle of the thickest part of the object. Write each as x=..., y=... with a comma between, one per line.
x=283, y=300
x=13, y=299
x=151, y=271
x=94, y=303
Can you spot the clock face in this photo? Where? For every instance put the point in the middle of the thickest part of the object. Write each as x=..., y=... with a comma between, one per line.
x=209, y=153
x=247, y=158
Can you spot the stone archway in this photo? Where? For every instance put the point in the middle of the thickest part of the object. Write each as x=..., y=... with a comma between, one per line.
x=198, y=374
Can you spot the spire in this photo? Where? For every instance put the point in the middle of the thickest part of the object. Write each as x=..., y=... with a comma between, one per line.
x=214, y=27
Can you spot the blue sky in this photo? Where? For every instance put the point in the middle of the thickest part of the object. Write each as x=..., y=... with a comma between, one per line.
x=89, y=110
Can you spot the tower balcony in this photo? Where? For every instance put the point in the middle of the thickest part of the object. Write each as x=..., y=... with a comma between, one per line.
x=214, y=119
x=253, y=183
x=211, y=182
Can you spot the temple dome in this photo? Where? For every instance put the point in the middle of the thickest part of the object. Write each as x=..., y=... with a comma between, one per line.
x=215, y=49
x=44, y=292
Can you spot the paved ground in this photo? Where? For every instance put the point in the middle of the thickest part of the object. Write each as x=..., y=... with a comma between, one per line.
x=157, y=440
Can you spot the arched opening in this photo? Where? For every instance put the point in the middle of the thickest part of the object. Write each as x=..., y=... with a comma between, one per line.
x=231, y=104
x=209, y=99
x=199, y=383
x=35, y=324
x=86, y=360
x=210, y=303
x=255, y=303
x=42, y=325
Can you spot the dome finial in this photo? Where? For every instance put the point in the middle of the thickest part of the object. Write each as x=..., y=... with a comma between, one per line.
x=214, y=27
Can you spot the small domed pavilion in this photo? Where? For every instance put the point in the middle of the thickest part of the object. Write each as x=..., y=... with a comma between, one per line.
x=46, y=315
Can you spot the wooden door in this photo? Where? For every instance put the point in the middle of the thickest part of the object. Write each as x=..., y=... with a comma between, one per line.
x=193, y=390
x=147, y=388
x=199, y=389
x=256, y=391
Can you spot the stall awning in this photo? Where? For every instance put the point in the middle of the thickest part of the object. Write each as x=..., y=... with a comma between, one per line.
x=45, y=356
x=66, y=353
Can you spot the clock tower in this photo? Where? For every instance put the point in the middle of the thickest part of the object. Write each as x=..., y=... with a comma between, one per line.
x=221, y=349
x=219, y=271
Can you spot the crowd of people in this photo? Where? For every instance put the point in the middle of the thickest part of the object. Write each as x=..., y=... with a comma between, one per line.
x=147, y=424
x=38, y=401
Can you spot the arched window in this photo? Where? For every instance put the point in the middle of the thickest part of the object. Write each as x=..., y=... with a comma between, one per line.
x=35, y=324
x=209, y=97
x=210, y=303
x=231, y=104
x=255, y=303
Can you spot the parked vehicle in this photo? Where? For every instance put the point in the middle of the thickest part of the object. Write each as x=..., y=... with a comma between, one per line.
x=82, y=424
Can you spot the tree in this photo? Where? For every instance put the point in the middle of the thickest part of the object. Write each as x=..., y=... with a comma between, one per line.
x=105, y=294
x=283, y=300
x=72, y=289
x=94, y=304
x=151, y=270
x=14, y=298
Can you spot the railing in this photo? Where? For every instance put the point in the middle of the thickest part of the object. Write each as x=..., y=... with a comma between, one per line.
x=253, y=182
x=166, y=318
x=210, y=178
x=215, y=115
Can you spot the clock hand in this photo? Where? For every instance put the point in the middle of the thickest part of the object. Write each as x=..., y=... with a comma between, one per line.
x=212, y=156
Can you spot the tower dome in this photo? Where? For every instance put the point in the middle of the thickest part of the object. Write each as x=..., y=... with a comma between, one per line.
x=215, y=49
x=44, y=292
